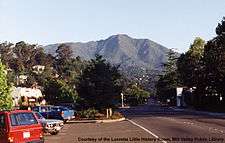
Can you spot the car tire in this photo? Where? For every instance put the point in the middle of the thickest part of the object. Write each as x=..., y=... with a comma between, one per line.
x=54, y=133
x=64, y=121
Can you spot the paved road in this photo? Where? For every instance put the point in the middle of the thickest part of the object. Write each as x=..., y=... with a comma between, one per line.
x=178, y=125
x=148, y=123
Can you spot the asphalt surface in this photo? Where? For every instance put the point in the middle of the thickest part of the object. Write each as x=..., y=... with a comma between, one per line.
x=123, y=131
x=178, y=125
x=148, y=123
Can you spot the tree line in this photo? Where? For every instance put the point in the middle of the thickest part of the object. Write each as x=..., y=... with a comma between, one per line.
x=67, y=79
x=200, y=70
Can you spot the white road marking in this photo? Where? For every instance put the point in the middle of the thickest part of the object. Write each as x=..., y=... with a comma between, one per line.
x=146, y=130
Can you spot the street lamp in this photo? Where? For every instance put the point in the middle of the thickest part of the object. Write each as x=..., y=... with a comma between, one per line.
x=122, y=96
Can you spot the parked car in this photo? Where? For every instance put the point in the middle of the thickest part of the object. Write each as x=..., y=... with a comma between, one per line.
x=65, y=113
x=20, y=126
x=44, y=110
x=51, y=126
x=55, y=112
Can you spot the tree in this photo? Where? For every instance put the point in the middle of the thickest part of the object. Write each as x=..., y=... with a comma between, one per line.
x=203, y=67
x=220, y=29
x=134, y=95
x=190, y=69
x=214, y=61
x=189, y=64
x=168, y=81
x=98, y=86
x=57, y=91
x=5, y=95
x=41, y=58
x=6, y=53
x=24, y=56
x=6, y=56
x=63, y=58
x=64, y=52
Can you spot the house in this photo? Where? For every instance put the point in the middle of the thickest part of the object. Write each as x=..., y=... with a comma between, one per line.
x=26, y=96
x=38, y=69
x=21, y=79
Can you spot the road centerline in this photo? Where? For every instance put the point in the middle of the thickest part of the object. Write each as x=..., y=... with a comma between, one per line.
x=148, y=131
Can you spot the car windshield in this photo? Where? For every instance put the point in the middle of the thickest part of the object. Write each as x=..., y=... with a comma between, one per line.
x=56, y=109
x=39, y=116
x=59, y=108
x=44, y=109
x=64, y=108
x=18, y=119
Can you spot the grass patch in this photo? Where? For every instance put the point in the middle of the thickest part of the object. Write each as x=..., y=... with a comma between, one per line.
x=92, y=114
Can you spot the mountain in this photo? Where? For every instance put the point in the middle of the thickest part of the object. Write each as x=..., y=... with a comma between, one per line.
x=140, y=60
x=120, y=49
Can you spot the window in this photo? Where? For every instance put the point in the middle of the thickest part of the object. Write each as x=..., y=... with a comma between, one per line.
x=64, y=108
x=39, y=116
x=60, y=108
x=36, y=109
x=2, y=120
x=56, y=109
x=18, y=119
x=44, y=109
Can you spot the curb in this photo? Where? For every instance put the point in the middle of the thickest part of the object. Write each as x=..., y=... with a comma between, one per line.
x=177, y=109
x=98, y=121
x=111, y=121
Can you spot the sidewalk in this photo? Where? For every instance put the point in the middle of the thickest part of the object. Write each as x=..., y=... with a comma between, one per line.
x=216, y=114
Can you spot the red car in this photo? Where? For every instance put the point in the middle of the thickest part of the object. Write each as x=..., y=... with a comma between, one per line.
x=20, y=126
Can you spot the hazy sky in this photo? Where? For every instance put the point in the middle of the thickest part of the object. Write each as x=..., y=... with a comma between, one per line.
x=172, y=23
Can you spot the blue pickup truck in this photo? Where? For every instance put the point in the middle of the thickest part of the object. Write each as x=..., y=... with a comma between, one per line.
x=55, y=112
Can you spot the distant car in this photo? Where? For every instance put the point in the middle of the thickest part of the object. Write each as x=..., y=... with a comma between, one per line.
x=55, y=112
x=44, y=110
x=51, y=126
x=20, y=126
x=65, y=113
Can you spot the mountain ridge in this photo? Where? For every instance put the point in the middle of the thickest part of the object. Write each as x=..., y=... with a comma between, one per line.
x=119, y=49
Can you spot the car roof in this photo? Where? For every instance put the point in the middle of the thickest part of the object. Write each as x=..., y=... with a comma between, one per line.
x=44, y=106
x=15, y=111
x=60, y=107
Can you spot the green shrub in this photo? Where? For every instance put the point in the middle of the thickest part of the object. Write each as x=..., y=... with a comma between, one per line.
x=116, y=115
x=89, y=113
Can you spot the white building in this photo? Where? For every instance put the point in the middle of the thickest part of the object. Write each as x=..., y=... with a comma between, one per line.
x=38, y=69
x=30, y=94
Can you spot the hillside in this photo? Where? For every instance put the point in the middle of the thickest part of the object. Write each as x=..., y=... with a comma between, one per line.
x=140, y=59
x=120, y=49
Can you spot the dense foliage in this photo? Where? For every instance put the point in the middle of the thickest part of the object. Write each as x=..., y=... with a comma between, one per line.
x=168, y=81
x=57, y=91
x=201, y=71
x=5, y=97
x=134, y=95
x=56, y=80
x=64, y=79
x=189, y=64
x=212, y=93
x=98, y=86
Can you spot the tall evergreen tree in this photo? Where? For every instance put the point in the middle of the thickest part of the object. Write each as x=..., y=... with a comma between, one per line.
x=63, y=58
x=214, y=60
x=168, y=81
x=99, y=84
